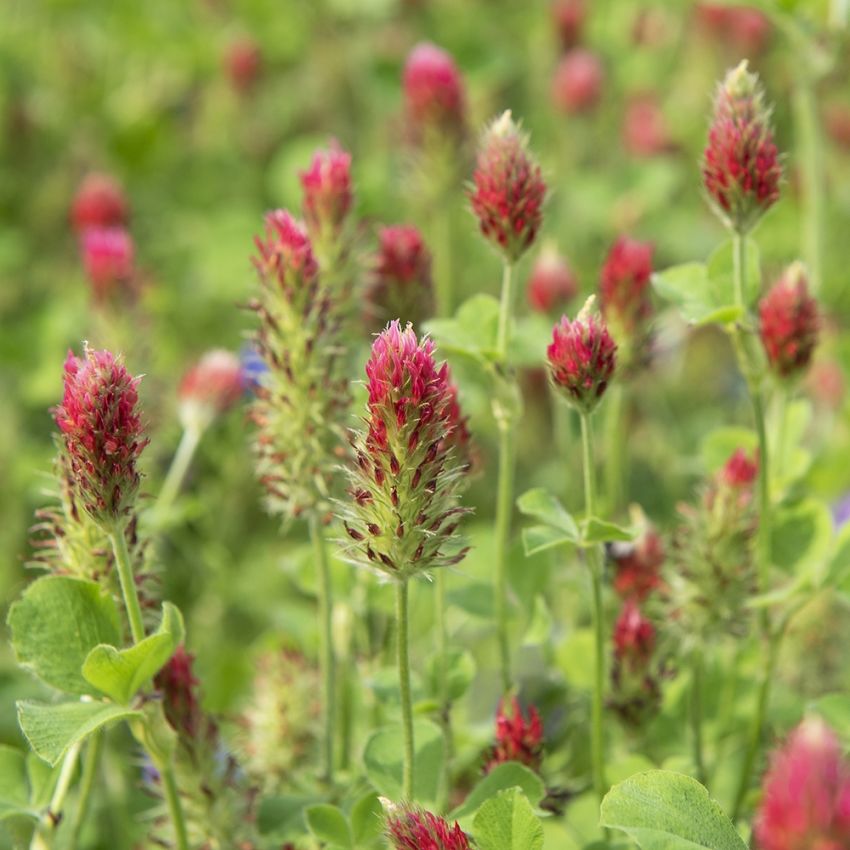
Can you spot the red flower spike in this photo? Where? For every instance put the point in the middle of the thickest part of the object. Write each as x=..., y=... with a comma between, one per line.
x=634, y=637
x=582, y=357
x=508, y=189
x=552, y=283
x=789, y=323
x=624, y=284
x=179, y=688
x=327, y=191
x=638, y=566
x=435, y=101
x=102, y=434
x=108, y=259
x=577, y=82
x=741, y=165
x=518, y=738
x=806, y=793
x=410, y=828
x=740, y=470
x=286, y=253
x=568, y=17
x=211, y=387
x=100, y=202
x=243, y=63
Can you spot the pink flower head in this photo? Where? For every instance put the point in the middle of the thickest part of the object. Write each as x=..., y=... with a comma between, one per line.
x=211, y=387
x=645, y=131
x=100, y=202
x=638, y=566
x=582, y=357
x=327, y=191
x=179, y=688
x=552, y=283
x=108, y=259
x=518, y=738
x=577, y=83
x=568, y=17
x=410, y=828
x=508, y=189
x=806, y=793
x=740, y=470
x=624, y=284
x=408, y=471
x=634, y=637
x=435, y=101
x=102, y=433
x=286, y=254
x=741, y=165
x=789, y=323
x=243, y=63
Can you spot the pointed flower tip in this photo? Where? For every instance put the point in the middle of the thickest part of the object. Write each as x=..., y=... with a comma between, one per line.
x=412, y=828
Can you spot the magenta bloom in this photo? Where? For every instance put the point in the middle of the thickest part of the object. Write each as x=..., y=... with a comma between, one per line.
x=740, y=470
x=518, y=738
x=741, y=166
x=100, y=202
x=286, y=253
x=582, y=357
x=108, y=259
x=102, y=433
x=434, y=96
x=508, y=189
x=634, y=637
x=624, y=284
x=806, y=793
x=789, y=323
x=411, y=828
x=211, y=387
x=577, y=83
x=552, y=283
x=327, y=191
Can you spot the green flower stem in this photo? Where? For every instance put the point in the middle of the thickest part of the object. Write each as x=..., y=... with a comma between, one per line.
x=45, y=830
x=90, y=765
x=127, y=581
x=177, y=471
x=505, y=313
x=615, y=448
x=326, y=649
x=597, y=740
x=175, y=808
x=404, y=687
x=445, y=707
x=697, y=673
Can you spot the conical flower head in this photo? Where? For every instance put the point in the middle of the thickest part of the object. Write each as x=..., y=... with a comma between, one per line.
x=552, y=283
x=412, y=828
x=108, y=259
x=806, y=793
x=102, y=434
x=401, y=284
x=518, y=737
x=302, y=397
x=789, y=323
x=435, y=101
x=582, y=357
x=328, y=193
x=100, y=202
x=741, y=165
x=636, y=671
x=405, y=484
x=508, y=190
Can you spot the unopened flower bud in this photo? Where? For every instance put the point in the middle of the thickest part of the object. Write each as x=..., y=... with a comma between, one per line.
x=108, y=259
x=508, y=189
x=806, y=793
x=435, y=101
x=624, y=288
x=789, y=323
x=741, y=165
x=634, y=636
x=577, y=82
x=100, y=202
x=552, y=283
x=211, y=387
x=518, y=738
x=635, y=671
x=102, y=434
x=582, y=357
x=412, y=828
x=327, y=192
x=405, y=483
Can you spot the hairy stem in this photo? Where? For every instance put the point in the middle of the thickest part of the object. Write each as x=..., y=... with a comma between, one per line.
x=127, y=581
x=505, y=313
x=45, y=830
x=404, y=688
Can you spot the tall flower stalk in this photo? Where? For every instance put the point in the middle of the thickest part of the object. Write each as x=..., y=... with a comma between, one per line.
x=581, y=361
x=507, y=198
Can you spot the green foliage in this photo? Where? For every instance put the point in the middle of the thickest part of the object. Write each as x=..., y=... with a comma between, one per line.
x=507, y=822
x=510, y=774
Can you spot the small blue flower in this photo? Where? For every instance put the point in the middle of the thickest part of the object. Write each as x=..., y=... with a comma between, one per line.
x=253, y=365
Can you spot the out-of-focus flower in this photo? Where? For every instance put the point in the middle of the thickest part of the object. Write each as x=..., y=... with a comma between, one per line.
x=740, y=470
x=400, y=286
x=577, y=82
x=645, y=130
x=243, y=63
x=582, y=357
x=100, y=202
x=518, y=737
x=836, y=120
x=211, y=387
x=101, y=434
x=745, y=28
x=328, y=193
x=638, y=566
x=108, y=259
x=634, y=637
x=435, y=101
x=253, y=365
x=568, y=17
x=508, y=189
x=404, y=508
x=789, y=323
x=741, y=165
x=635, y=672
x=178, y=686
x=826, y=383
x=411, y=828
x=806, y=793
x=552, y=282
